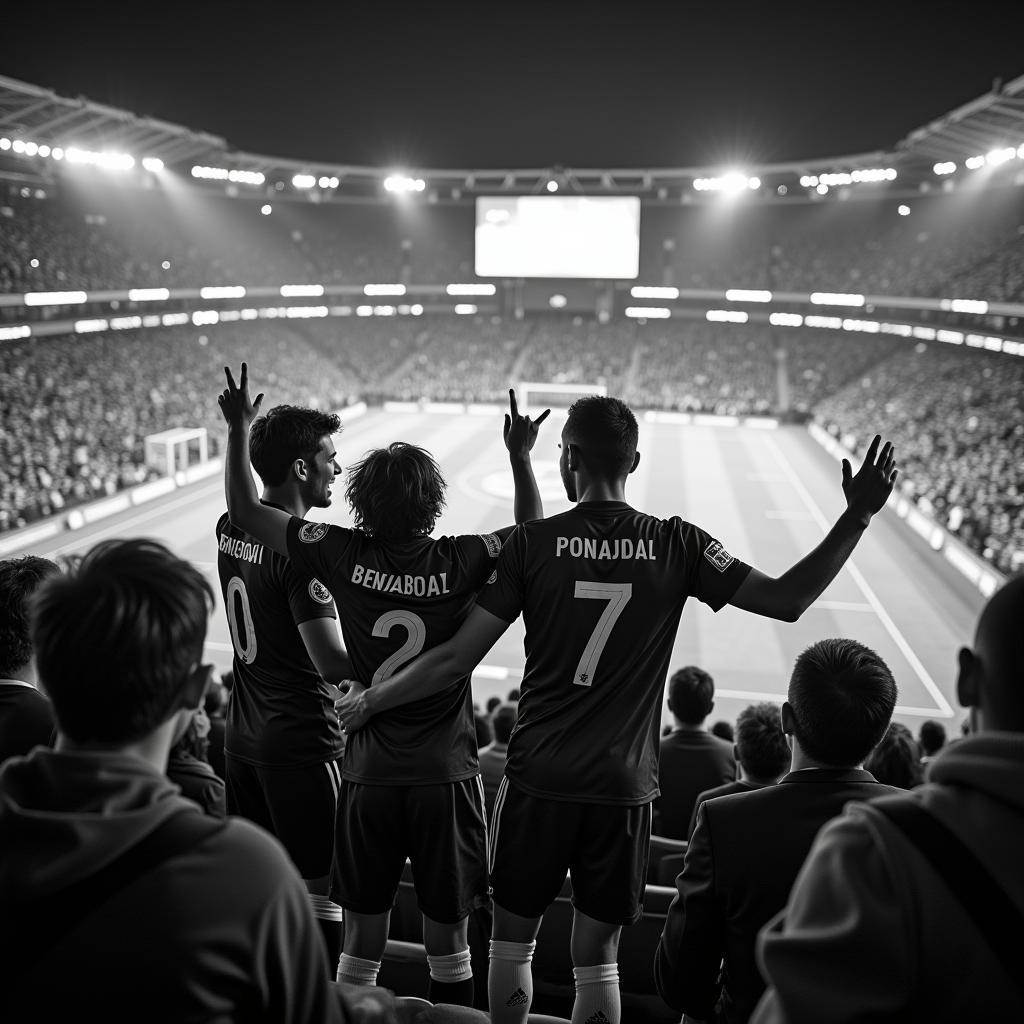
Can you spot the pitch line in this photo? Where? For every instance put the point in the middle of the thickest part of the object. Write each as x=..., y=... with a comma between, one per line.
x=943, y=706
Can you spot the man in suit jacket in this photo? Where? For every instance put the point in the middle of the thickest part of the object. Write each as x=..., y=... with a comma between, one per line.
x=762, y=754
x=690, y=758
x=747, y=848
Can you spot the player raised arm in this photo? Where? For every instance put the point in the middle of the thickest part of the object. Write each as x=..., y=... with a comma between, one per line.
x=792, y=593
x=520, y=433
x=269, y=525
x=430, y=673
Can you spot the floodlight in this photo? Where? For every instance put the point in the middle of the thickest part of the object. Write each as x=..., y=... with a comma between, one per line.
x=266, y=209
x=552, y=185
x=153, y=164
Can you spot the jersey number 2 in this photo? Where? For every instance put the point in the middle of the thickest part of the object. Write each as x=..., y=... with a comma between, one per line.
x=617, y=595
x=417, y=635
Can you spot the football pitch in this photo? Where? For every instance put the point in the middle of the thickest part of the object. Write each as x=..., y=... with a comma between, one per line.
x=768, y=495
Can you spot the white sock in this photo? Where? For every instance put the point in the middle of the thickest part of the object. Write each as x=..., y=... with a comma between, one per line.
x=510, y=981
x=357, y=971
x=597, y=995
x=452, y=967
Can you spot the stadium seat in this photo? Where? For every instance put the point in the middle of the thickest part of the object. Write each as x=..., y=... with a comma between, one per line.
x=661, y=847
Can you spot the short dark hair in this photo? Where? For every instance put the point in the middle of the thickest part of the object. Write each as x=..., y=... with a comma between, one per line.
x=760, y=742
x=503, y=721
x=842, y=696
x=723, y=730
x=691, y=692
x=396, y=492
x=284, y=434
x=931, y=736
x=117, y=637
x=484, y=731
x=19, y=580
x=493, y=702
x=606, y=432
x=896, y=760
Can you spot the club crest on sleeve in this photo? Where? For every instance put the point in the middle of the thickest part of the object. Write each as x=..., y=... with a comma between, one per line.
x=319, y=592
x=492, y=543
x=493, y=578
x=718, y=556
x=310, y=533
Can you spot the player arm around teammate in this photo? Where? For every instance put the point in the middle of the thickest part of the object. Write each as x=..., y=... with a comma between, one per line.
x=788, y=596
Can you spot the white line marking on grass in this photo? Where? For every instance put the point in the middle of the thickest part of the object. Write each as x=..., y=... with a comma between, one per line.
x=943, y=706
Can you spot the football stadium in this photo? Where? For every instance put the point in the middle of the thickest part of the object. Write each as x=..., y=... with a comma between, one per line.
x=763, y=324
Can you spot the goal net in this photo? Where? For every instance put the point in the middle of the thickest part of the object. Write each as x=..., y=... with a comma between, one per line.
x=536, y=396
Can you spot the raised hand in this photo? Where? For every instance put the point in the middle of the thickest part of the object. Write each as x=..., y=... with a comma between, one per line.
x=520, y=431
x=867, y=492
x=234, y=401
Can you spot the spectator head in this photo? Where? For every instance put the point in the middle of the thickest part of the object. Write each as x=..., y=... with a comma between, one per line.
x=513, y=695
x=896, y=760
x=600, y=434
x=292, y=445
x=723, y=730
x=503, y=720
x=141, y=614
x=840, y=702
x=691, y=695
x=484, y=732
x=19, y=580
x=989, y=680
x=931, y=737
x=396, y=492
x=761, y=746
x=492, y=703
x=215, y=702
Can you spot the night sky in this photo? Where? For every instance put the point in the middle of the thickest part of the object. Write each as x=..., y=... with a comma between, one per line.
x=485, y=85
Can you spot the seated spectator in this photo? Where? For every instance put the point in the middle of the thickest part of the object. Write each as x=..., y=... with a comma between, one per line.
x=216, y=704
x=484, y=732
x=119, y=897
x=747, y=848
x=877, y=926
x=690, y=760
x=723, y=730
x=931, y=738
x=26, y=715
x=492, y=757
x=762, y=754
x=492, y=703
x=896, y=760
x=188, y=768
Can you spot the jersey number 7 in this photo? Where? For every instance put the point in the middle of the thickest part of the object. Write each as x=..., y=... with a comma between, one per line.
x=617, y=595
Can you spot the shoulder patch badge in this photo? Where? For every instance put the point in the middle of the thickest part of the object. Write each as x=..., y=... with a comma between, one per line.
x=492, y=542
x=718, y=556
x=493, y=578
x=310, y=533
x=319, y=592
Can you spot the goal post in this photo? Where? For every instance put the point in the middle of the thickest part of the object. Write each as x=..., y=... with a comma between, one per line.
x=536, y=396
x=174, y=450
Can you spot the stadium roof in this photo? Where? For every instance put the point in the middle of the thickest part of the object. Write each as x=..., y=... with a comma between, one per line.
x=29, y=113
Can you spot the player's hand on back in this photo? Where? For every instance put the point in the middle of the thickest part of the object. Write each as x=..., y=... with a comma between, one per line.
x=868, y=490
x=520, y=431
x=351, y=705
x=234, y=401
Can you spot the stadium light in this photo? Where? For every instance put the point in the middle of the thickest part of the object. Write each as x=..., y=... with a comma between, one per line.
x=731, y=316
x=903, y=210
x=303, y=180
x=648, y=312
x=946, y=167
x=653, y=292
x=836, y=299
x=471, y=289
x=266, y=209
x=552, y=185
x=384, y=289
x=108, y=161
x=403, y=184
x=747, y=295
x=153, y=164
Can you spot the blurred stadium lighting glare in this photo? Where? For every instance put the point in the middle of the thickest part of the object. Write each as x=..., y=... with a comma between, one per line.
x=903, y=210
x=552, y=185
x=328, y=182
x=471, y=289
x=266, y=209
x=785, y=319
x=972, y=163
x=653, y=292
x=733, y=183
x=1000, y=156
x=836, y=299
x=108, y=161
x=732, y=316
x=223, y=174
x=947, y=167
x=746, y=295
x=5, y=143
x=464, y=308
x=402, y=183
x=648, y=312
x=153, y=164
x=294, y=290
x=148, y=294
x=384, y=289
x=230, y=291
x=303, y=180
x=54, y=298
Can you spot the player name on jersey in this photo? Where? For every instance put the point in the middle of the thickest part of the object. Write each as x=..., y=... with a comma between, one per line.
x=401, y=583
x=589, y=547
x=243, y=549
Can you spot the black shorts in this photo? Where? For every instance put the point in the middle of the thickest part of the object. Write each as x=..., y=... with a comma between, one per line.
x=441, y=828
x=295, y=804
x=535, y=842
